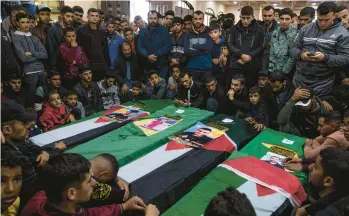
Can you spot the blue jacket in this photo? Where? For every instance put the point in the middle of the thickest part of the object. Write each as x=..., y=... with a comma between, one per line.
x=114, y=43
x=197, y=47
x=156, y=42
x=216, y=48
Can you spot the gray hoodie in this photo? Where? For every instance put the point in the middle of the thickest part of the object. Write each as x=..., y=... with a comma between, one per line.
x=26, y=42
x=79, y=106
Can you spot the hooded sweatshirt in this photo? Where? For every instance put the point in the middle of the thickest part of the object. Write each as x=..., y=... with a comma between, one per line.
x=52, y=118
x=333, y=43
x=67, y=56
x=177, y=48
x=26, y=42
x=39, y=205
x=197, y=48
x=157, y=92
x=79, y=106
x=110, y=95
x=90, y=97
x=216, y=53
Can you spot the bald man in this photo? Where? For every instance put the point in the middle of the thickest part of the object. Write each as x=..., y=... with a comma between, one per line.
x=109, y=189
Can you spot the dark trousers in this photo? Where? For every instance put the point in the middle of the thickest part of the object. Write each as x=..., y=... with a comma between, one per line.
x=69, y=83
x=99, y=69
x=32, y=81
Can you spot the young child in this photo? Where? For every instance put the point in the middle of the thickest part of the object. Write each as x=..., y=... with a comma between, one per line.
x=71, y=56
x=54, y=83
x=74, y=106
x=54, y=113
x=156, y=88
x=173, y=82
x=258, y=109
x=11, y=179
x=218, y=40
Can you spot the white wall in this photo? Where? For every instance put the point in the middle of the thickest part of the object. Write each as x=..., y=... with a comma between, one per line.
x=84, y=4
x=216, y=6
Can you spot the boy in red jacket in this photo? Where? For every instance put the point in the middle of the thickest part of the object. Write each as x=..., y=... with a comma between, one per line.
x=71, y=56
x=54, y=113
x=68, y=183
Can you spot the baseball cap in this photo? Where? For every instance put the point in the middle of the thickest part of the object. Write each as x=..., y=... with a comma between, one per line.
x=41, y=7
x=10, y=110
x=306, y=102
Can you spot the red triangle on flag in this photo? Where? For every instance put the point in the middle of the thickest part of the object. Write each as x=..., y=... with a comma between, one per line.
x=173, y=145
x=263, y=191
x=222, y=143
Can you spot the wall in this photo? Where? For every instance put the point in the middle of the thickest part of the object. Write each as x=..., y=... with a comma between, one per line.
x=216, y=6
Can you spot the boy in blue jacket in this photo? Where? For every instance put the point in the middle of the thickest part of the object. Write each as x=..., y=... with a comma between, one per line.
x=114, y=43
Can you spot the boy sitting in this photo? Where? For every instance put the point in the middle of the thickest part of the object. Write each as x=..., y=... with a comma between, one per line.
x=73, y=181
x=173, y=82
x=109, y=91
x=156, y=88
x=54, y=113
x=257, y=114
x=74, y=106
x=11, y=179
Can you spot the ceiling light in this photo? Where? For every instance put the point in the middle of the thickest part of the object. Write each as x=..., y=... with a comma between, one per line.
x=235, y=2
x=313, y=4
x=275, y=4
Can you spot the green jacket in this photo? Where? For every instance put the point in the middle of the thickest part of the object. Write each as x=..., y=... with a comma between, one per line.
x=280, y=58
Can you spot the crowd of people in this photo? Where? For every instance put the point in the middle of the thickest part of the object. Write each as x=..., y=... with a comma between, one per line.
x=288, y=72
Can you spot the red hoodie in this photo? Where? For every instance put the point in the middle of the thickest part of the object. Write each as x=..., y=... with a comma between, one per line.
x=38, y=205
x=52, y=118
x=66, y=59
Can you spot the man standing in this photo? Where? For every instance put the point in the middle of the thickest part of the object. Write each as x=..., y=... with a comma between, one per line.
x=9, y=23
x=40, y=30
x=269, y=24
x=154, y=45
x=169, y=15
x=197, y=48
x=246, y=47
x=188, y=23
x=177, y=56
x=281, y=41
x=55, y=33
x=30, y=52
x=319, y=55
x=78, y=14
x=94, y=43
x=306, y=16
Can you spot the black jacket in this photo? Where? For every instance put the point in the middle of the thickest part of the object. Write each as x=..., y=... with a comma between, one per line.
x=240, y=102
x=341, y=207
x=177, y=49
x=92, y=93
x=85, y=40
x=220, y=97
x=9, y=62
x=55, y=38
x=20, y=97
x=121, y=68
x=196, y=94
x=246, y=41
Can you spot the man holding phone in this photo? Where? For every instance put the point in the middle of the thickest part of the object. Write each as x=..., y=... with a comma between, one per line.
x=320, y=48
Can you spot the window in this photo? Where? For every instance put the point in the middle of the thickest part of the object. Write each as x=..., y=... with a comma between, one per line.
x=208, y=13
x=183, y=8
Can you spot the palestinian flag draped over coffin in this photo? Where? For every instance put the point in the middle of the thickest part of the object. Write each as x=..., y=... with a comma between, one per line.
x=270, y=189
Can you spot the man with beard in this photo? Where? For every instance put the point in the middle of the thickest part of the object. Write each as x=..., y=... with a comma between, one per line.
x=189, y=92
x=214, y=97
x=281, y=41
x=269, y=24
x=188, y=23
x=126, y=68
x=177, y=56
x=306, y=16
x=78, y=14
x=197, y=48
x=131, y=39
x=246, y=47
x=95, y=45
x=40, y=30
x=318, y=57
x=154, y=45
x=328, y=180
x=55, y=32
x=238, y=94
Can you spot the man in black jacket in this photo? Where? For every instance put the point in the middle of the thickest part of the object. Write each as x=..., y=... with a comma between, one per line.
x=177, y=56
x=126, y=68
x=238, y=94
x=95, y=45
x=215, y=99
x=9, y=64
x=246, y=47
x=189, y=93
x=55, y=34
